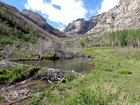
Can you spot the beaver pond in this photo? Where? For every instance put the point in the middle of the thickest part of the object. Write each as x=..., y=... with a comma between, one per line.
x=83, y=65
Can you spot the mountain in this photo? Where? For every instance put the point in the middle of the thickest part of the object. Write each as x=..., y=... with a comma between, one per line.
x=126, y=15
x=14, y=27
x=79, y=26
x=41, y=22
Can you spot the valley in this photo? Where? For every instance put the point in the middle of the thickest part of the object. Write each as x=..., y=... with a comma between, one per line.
x=90, y=62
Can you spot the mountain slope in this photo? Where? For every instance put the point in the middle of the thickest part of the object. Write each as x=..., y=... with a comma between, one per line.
x=15, y=27
x=41, y=22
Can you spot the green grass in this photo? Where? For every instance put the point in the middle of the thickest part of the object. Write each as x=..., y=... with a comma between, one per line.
x=104, y=85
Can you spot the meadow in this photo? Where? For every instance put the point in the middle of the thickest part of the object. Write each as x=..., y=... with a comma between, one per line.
x=114, y=81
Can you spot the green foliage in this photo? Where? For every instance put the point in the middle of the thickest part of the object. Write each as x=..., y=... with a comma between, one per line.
x=125, y=72
x=70, y=76
x=43, y=72
x=82, y=43
x=125, y=38
x=16, y=74
x=1, y=57
x=34, y=101
x=48, y=56
x=32, y=70
x=1, y=97
x=10, y=33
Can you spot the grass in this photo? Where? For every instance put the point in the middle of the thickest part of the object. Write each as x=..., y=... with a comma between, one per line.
x=104, y=85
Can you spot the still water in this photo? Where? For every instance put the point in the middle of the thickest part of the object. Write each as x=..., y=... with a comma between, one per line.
x=77, y=64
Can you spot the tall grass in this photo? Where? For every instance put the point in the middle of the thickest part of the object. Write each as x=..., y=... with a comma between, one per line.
x=128, y=53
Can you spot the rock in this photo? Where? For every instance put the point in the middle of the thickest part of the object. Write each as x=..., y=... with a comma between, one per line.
x=3, y=63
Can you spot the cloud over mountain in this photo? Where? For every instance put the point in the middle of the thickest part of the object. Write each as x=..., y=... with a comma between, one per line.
x=60, y=11
x=106, y=5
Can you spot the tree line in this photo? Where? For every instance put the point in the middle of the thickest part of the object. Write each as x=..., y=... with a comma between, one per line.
x=123, y=38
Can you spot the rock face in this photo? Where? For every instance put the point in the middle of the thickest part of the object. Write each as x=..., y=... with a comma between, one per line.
x=126, y=15
x=80, y=26
x=41, y=22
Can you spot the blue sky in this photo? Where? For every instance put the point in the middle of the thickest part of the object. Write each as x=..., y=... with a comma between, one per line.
x=59, y=13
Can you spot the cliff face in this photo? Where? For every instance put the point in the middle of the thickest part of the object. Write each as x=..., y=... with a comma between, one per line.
x=126, y=15
x=41, y=22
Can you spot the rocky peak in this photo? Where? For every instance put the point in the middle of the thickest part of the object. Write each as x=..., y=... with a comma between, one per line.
x=79, y=26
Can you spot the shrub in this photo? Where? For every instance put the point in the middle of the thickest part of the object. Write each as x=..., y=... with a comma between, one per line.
x=32, y=70
x=2, y=71
x=34, y=101
x=125, y=72
x=1, y=57
x=70, y=76
x=1, y=97
x=43, y=72
x=48, y=56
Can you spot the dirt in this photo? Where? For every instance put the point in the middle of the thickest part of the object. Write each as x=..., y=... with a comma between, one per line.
x=19, y=93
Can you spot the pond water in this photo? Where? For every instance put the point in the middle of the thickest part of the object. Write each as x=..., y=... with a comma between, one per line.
x=77, y=64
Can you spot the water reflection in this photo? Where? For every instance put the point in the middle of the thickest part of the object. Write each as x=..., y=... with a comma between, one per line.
x=77, y=64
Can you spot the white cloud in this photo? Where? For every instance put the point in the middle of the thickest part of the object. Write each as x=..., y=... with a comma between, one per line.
x=107, y=5
x=69, y=9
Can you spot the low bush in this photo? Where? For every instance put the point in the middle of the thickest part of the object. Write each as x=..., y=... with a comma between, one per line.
x=32, y=70
x=16, y=74
x=70, y=76
x=125, y=72
x=48, y=56
x=1, y=97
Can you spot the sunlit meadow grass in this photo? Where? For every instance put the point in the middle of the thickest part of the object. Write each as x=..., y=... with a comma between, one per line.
x=103, y=86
